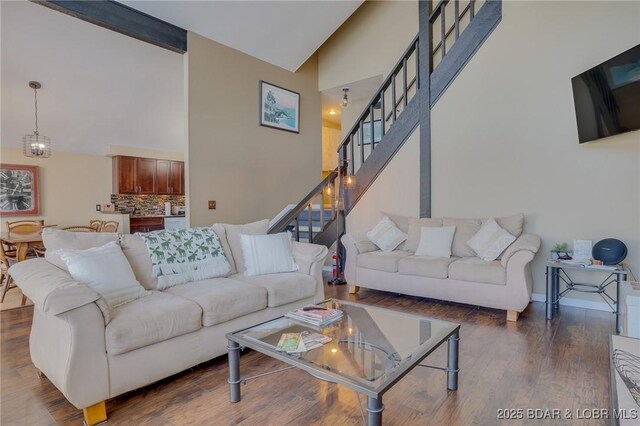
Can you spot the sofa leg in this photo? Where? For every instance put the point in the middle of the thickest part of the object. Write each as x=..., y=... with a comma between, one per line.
x=512, y=315
x=95, y=414
x=354, y=289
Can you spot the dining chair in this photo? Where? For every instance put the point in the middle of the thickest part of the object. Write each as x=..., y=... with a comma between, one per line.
x=109, y=226
x=96, y=224
x=5, y=278
x=25, y=226
x=79, y=228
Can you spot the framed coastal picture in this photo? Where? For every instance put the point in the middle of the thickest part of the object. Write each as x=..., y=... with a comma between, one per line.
x=279, y=108
x=18, y=190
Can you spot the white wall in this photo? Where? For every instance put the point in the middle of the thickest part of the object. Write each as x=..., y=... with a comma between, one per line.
x=504, y=136
x=395, y=191
x=368, y=44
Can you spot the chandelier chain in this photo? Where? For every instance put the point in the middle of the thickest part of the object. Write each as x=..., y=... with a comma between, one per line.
x=35, y=94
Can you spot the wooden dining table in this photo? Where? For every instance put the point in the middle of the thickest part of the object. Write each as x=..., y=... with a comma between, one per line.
x=22, y=242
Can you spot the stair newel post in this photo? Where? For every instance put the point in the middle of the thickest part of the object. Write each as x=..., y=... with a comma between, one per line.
x=338, y=278
x=310, y=221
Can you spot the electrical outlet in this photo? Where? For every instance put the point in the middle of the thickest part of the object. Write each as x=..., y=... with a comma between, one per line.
x=98, y=207
x=212, y=205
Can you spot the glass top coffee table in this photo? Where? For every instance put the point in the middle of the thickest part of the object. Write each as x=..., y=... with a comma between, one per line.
x=370, y=350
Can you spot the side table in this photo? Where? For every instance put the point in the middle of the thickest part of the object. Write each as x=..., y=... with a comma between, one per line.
x=557, y=271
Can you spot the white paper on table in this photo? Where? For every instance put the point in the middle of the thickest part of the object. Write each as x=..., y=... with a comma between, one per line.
x=582, y=249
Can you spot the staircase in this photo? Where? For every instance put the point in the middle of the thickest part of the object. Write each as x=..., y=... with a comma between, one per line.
x=451, y=31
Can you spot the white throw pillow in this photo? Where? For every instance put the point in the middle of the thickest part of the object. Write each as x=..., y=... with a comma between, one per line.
x=267, y=254
x=436, y=241
x=491, y=240
x=106, y=270
x=386, y=235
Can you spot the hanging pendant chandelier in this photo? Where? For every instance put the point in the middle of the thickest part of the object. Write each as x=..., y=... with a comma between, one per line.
x=36, y=145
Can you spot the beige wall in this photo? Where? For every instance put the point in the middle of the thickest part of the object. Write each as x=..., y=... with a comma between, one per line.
x=252, y=172
x=331, y=139
x=368, y=44
x=518, y=149
x=396, y=190
x=70, y=186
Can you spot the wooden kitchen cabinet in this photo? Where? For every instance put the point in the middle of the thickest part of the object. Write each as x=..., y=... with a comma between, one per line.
x=134, y=175
x=146, y=224
x=170, y=175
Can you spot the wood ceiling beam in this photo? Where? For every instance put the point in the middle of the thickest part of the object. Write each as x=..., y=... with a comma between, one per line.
x=125, y=20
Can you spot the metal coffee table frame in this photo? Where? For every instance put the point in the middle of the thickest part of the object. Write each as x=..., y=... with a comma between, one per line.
x=374, y=404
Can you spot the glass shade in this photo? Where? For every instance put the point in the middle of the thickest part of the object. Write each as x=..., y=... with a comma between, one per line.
x=36, y=145
x=349, y=181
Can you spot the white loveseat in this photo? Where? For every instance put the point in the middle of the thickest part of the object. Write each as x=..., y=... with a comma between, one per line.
x=505, y=283
x=91, y=360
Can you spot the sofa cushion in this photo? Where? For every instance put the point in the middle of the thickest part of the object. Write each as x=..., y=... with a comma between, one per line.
x=106, y=270
x=386, y=235
x=478, y=270
x=415, y=227
x=150, y=319
x=381, y=261
x=283, y=288
x=425, y=266
x=55, y=239
x=220, y=231
x=222, y=299
x=491, y=240
x=268, y=254
x=233, y=233
x=135, y=250
x=436, y=241
x=465, y=230
x=514, y=224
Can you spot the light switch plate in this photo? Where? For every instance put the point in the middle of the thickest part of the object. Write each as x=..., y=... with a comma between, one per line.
x=212, y=205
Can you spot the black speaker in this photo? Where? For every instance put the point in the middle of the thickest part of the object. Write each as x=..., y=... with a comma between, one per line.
x=610, y=251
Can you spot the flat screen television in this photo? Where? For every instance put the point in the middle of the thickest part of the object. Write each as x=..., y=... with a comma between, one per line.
x=607, y=97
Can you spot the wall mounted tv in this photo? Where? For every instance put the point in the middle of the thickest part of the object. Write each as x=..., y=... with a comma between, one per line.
x=607, y=97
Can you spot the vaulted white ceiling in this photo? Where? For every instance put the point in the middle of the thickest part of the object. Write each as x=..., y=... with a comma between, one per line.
x=283, y=33
x=99, y=87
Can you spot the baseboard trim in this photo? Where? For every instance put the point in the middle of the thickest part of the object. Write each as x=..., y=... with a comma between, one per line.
x=578, y=303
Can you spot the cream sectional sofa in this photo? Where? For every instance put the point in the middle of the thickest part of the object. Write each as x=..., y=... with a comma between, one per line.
x=90, y=358
x=505, y=283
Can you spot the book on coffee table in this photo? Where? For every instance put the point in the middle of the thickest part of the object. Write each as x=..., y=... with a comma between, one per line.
x=290, y=342
x=315, y=315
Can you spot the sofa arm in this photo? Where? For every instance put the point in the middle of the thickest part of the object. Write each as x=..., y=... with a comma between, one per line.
x=360, y=241
x=519, y=280
x=310, y=259
x=50, y=288
x=527, y=242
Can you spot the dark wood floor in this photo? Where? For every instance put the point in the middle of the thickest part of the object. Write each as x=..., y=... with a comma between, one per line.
x=531, y=364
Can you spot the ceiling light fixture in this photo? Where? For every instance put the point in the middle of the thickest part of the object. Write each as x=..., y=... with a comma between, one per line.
x=36, y=145
x=345, y=97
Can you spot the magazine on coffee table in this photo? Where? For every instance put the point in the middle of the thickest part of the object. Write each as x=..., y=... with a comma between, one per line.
x=315, y=315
